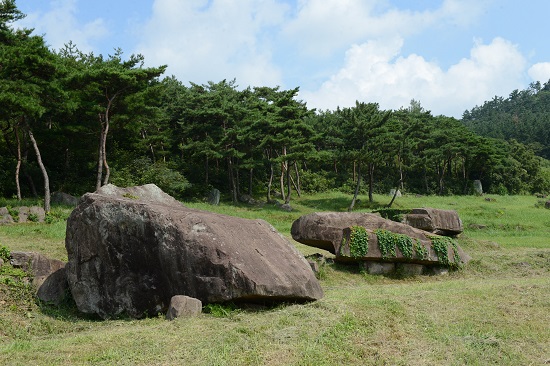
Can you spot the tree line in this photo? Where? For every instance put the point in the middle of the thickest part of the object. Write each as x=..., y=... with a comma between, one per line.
x=74, y=121
x=523, y=116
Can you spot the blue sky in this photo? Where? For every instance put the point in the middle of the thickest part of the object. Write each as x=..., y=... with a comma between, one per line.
x=451, y=55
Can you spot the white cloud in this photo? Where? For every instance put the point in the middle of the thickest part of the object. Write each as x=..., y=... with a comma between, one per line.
x=61, y=25
x=214, y=40
x=322, y=27
x=540, y=72
x=376, y=72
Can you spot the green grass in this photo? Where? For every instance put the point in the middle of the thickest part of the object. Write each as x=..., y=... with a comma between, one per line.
x=494, y=311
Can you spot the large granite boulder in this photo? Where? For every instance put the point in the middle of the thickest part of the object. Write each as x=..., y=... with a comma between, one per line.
x=131, y=249
x=383, y=240
x=441, y=222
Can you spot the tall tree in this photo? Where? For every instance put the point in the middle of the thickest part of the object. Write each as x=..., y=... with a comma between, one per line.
x=105, y=83
x=365, y=135
x=28, y=83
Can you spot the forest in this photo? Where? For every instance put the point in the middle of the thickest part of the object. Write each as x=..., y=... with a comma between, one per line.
x=73, y=121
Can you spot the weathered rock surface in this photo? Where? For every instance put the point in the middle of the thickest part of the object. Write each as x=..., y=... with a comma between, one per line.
x=23, y=214
x=441, y=222
x=31, y=214
x=48, y=274
x=331, y=231
x=324, y=230
x=379, y=268
x=5, y=217
x=36, y=264
x=131, y=249
x=64, y=199
x=54, y=288
x=182, y=306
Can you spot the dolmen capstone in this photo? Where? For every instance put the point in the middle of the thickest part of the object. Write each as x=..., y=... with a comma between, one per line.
x=441, y=222
x=132, y=249
x=366, y=237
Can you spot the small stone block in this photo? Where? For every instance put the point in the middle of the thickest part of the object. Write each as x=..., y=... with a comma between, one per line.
x=410, y=269
x=183, y=307
x=314, y=265
x=439, y=271
x=379, y=268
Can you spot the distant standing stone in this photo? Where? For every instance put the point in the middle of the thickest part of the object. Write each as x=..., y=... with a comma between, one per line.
x=286, y=207
x=478, y=187
x=392, y=193
x=214, y=197
x=64, y=199
x=183, y=307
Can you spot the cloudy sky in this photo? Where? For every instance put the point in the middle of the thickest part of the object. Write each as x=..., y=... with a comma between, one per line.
x=451, y=55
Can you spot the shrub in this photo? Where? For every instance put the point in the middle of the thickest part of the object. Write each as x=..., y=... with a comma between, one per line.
x=315, y=182
x=144, y=171
x=4, y=253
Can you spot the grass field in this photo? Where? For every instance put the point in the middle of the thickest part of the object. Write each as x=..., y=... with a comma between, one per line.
x=496, y=310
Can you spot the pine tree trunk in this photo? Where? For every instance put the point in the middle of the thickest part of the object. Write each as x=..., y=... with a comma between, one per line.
x=44, y=172
x=288, y=184
x=394, y=194
x=206, y=168
x=282, y=181
x=100, y=155
x=270, y=182
x=358, y=185
x=425, y=171
x=371, y=182
x=297, y=186
x=250, y=181
x=104, y=148
x=32, y=186
x=18, y=166
x=232, y=183
x=104, y=122
x=237, y=179
x=442, y=179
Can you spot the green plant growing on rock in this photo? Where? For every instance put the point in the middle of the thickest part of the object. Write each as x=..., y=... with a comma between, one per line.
x=33, y=217
x=405, y=245
x=386, y=243
x=130, y=196
x=441, y=244
x=420, y=250
x=5, y=253
x=14, y=213
x=359, y=242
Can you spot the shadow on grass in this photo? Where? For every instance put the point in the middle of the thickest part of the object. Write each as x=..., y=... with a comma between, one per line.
x=340, y=204
x=66, y=310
